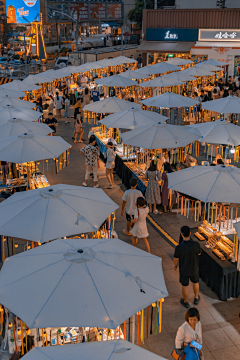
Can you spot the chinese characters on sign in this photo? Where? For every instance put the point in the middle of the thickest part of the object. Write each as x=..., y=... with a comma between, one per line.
x=226, y=35
x=171, y=36
x=98, y=10
x=114, y=11
x=80, y=9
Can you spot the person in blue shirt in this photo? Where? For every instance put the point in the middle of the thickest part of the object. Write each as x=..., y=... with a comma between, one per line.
x=96, y=95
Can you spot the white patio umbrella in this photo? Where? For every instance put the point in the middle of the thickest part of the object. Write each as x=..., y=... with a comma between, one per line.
x=208, y=183
x=133, y=74
x=216, y=62
x=18, y=85
x=104, y=281
x=196, y=71
x=115, y=80
x=59, y=210
x=88, y=66
x=160, y=81
x=15, y=127
x=125, y=60
x=159, y=68
x=34, y=79
x=29, y=147
x=101, y=350
x=132, y=118
x=205, y=66
x=169, y=100
x=17, y=103
x=218, y=132
x=227, y=105
x=159, y=136
x=66, y=71
x=51, y=74
x=106, y=63
x=177, y=75
x=8, y=112
x=179, y=61
x=6, y=93
x=111, y=105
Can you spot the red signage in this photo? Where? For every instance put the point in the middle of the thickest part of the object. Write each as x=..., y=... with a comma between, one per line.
x=80, y=9
x=97, y=9
x=114, y=11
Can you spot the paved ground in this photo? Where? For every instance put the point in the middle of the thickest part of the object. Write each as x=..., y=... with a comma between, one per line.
x=220, y=320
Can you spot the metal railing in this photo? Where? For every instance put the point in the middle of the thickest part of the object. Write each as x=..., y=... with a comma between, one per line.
x=17, y=71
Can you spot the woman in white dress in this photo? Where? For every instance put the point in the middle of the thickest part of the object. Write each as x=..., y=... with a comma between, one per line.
x=139, y=230
x=58, y=105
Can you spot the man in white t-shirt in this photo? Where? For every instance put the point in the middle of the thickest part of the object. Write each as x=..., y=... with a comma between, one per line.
x=129, y=200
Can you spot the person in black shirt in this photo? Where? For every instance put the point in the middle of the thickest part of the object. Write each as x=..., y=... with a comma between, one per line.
x=51, y=122
x=186, y=256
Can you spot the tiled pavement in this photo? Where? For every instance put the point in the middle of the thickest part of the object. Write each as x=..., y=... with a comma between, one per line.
x=220, y=320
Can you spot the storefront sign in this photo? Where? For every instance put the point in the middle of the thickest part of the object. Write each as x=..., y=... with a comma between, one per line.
x=156, y=34
x=218, y=35
x=170, y=55
x=96, y=9
x=80, y=9
x=22, y=11
x=60, y=8
x=114, y=11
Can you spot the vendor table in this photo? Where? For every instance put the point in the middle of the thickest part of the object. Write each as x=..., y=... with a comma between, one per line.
x=221, y=276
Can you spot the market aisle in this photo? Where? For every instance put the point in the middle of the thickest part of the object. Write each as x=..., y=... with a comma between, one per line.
x=220, y=320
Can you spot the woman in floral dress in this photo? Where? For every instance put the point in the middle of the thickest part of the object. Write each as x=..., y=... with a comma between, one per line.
x=152, y=195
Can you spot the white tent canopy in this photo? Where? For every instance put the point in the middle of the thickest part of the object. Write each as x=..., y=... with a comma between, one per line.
x=216, y=62
x=169, y=100
x=159, y=68
x=205, y=66
x=115, y=80
x=34, y=79
x=15, y=127
x=97, y=350
x=29, y=147
x=177, y=75
x=6, y=93
x=160, y=81
x=111, y=105
x=159, y=136
x=8, y=112
x=76, y=282
x=48, y=73
x=59, y=210
x=197, y=71
x=106, y=63
x=133, y=74
x=17, y=103
x=208, y=183
x=227, y=105
x=125, y=60
x=132, y=118
x=18, y=85
x=179, y=61
x=218, y=132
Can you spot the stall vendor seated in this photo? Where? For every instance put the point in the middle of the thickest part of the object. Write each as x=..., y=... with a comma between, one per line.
x=51, y=122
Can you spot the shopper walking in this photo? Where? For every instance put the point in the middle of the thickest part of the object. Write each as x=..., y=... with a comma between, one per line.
x=78, y=108
x=139, y=230
x=67, y=108
x=78, y=130
x=189, y=331
x=152, y=195
x=58, y=105
x=186, y=256
x=165, y=191
x=86, y=97
x=129, y=200
x=91, y=154
x=110, y=164
x=139, y=61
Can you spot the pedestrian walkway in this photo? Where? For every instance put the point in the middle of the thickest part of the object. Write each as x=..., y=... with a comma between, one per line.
x=220, y=320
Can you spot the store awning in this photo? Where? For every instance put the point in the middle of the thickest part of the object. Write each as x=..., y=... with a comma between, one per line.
x=110, y=24
x=166, y=46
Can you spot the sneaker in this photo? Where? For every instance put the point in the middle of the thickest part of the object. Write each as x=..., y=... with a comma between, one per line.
x=96, y=186
x=126, y=233
x=185, y=304
x=84, y=184
x=196, y=301
x=109, y=187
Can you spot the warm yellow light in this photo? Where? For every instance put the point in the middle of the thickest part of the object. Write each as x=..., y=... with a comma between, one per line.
x=16, y=245
x=10, y=325
x=28, y=332
x=19, y=332
x=39, y=244
x=29, y=247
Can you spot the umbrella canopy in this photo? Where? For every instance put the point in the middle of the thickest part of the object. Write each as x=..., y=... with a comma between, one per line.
x=15, y=127
x=51, y=74
x=177, y=75
x=133, y=74
x=88, y=66
x=227, y=105
x=115, y=80
x=59, y=210
x=218, y=132
x=169, y=100
x=106, y=63
x=106, y=281
x=179, y=61
x=160, y=81
x=16, y=103
x=216, y=62
x=208, y=183
x=66, y=71
x=34, y=79
x=6, y=93
x=29, y=147
x=125, y=60
x=100, y=350
x=205, y=66
x=18, y=85
x=111, y=105
x=132, y=118
x=8, y=112
x=159, y=136
x=196, y=71
x=159, y=68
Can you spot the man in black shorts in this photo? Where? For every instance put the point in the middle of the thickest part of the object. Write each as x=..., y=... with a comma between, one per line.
x=186, y=255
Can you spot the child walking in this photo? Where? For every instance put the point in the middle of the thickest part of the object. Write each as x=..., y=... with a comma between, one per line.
x=139, y=230
x=110, y=164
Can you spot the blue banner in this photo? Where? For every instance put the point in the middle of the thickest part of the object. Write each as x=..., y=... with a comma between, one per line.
x=22, y=11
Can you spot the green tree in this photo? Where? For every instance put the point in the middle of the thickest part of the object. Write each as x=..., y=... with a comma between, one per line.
x=135, y=15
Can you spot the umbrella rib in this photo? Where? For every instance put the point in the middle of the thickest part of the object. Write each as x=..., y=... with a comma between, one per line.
x=42, y=352
x=230, y=137
x=34, y=320
x=192, y=178
x=113, y=350
x=99, y=293
x=45, y=218
x=43, y=146
x=213, y=186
